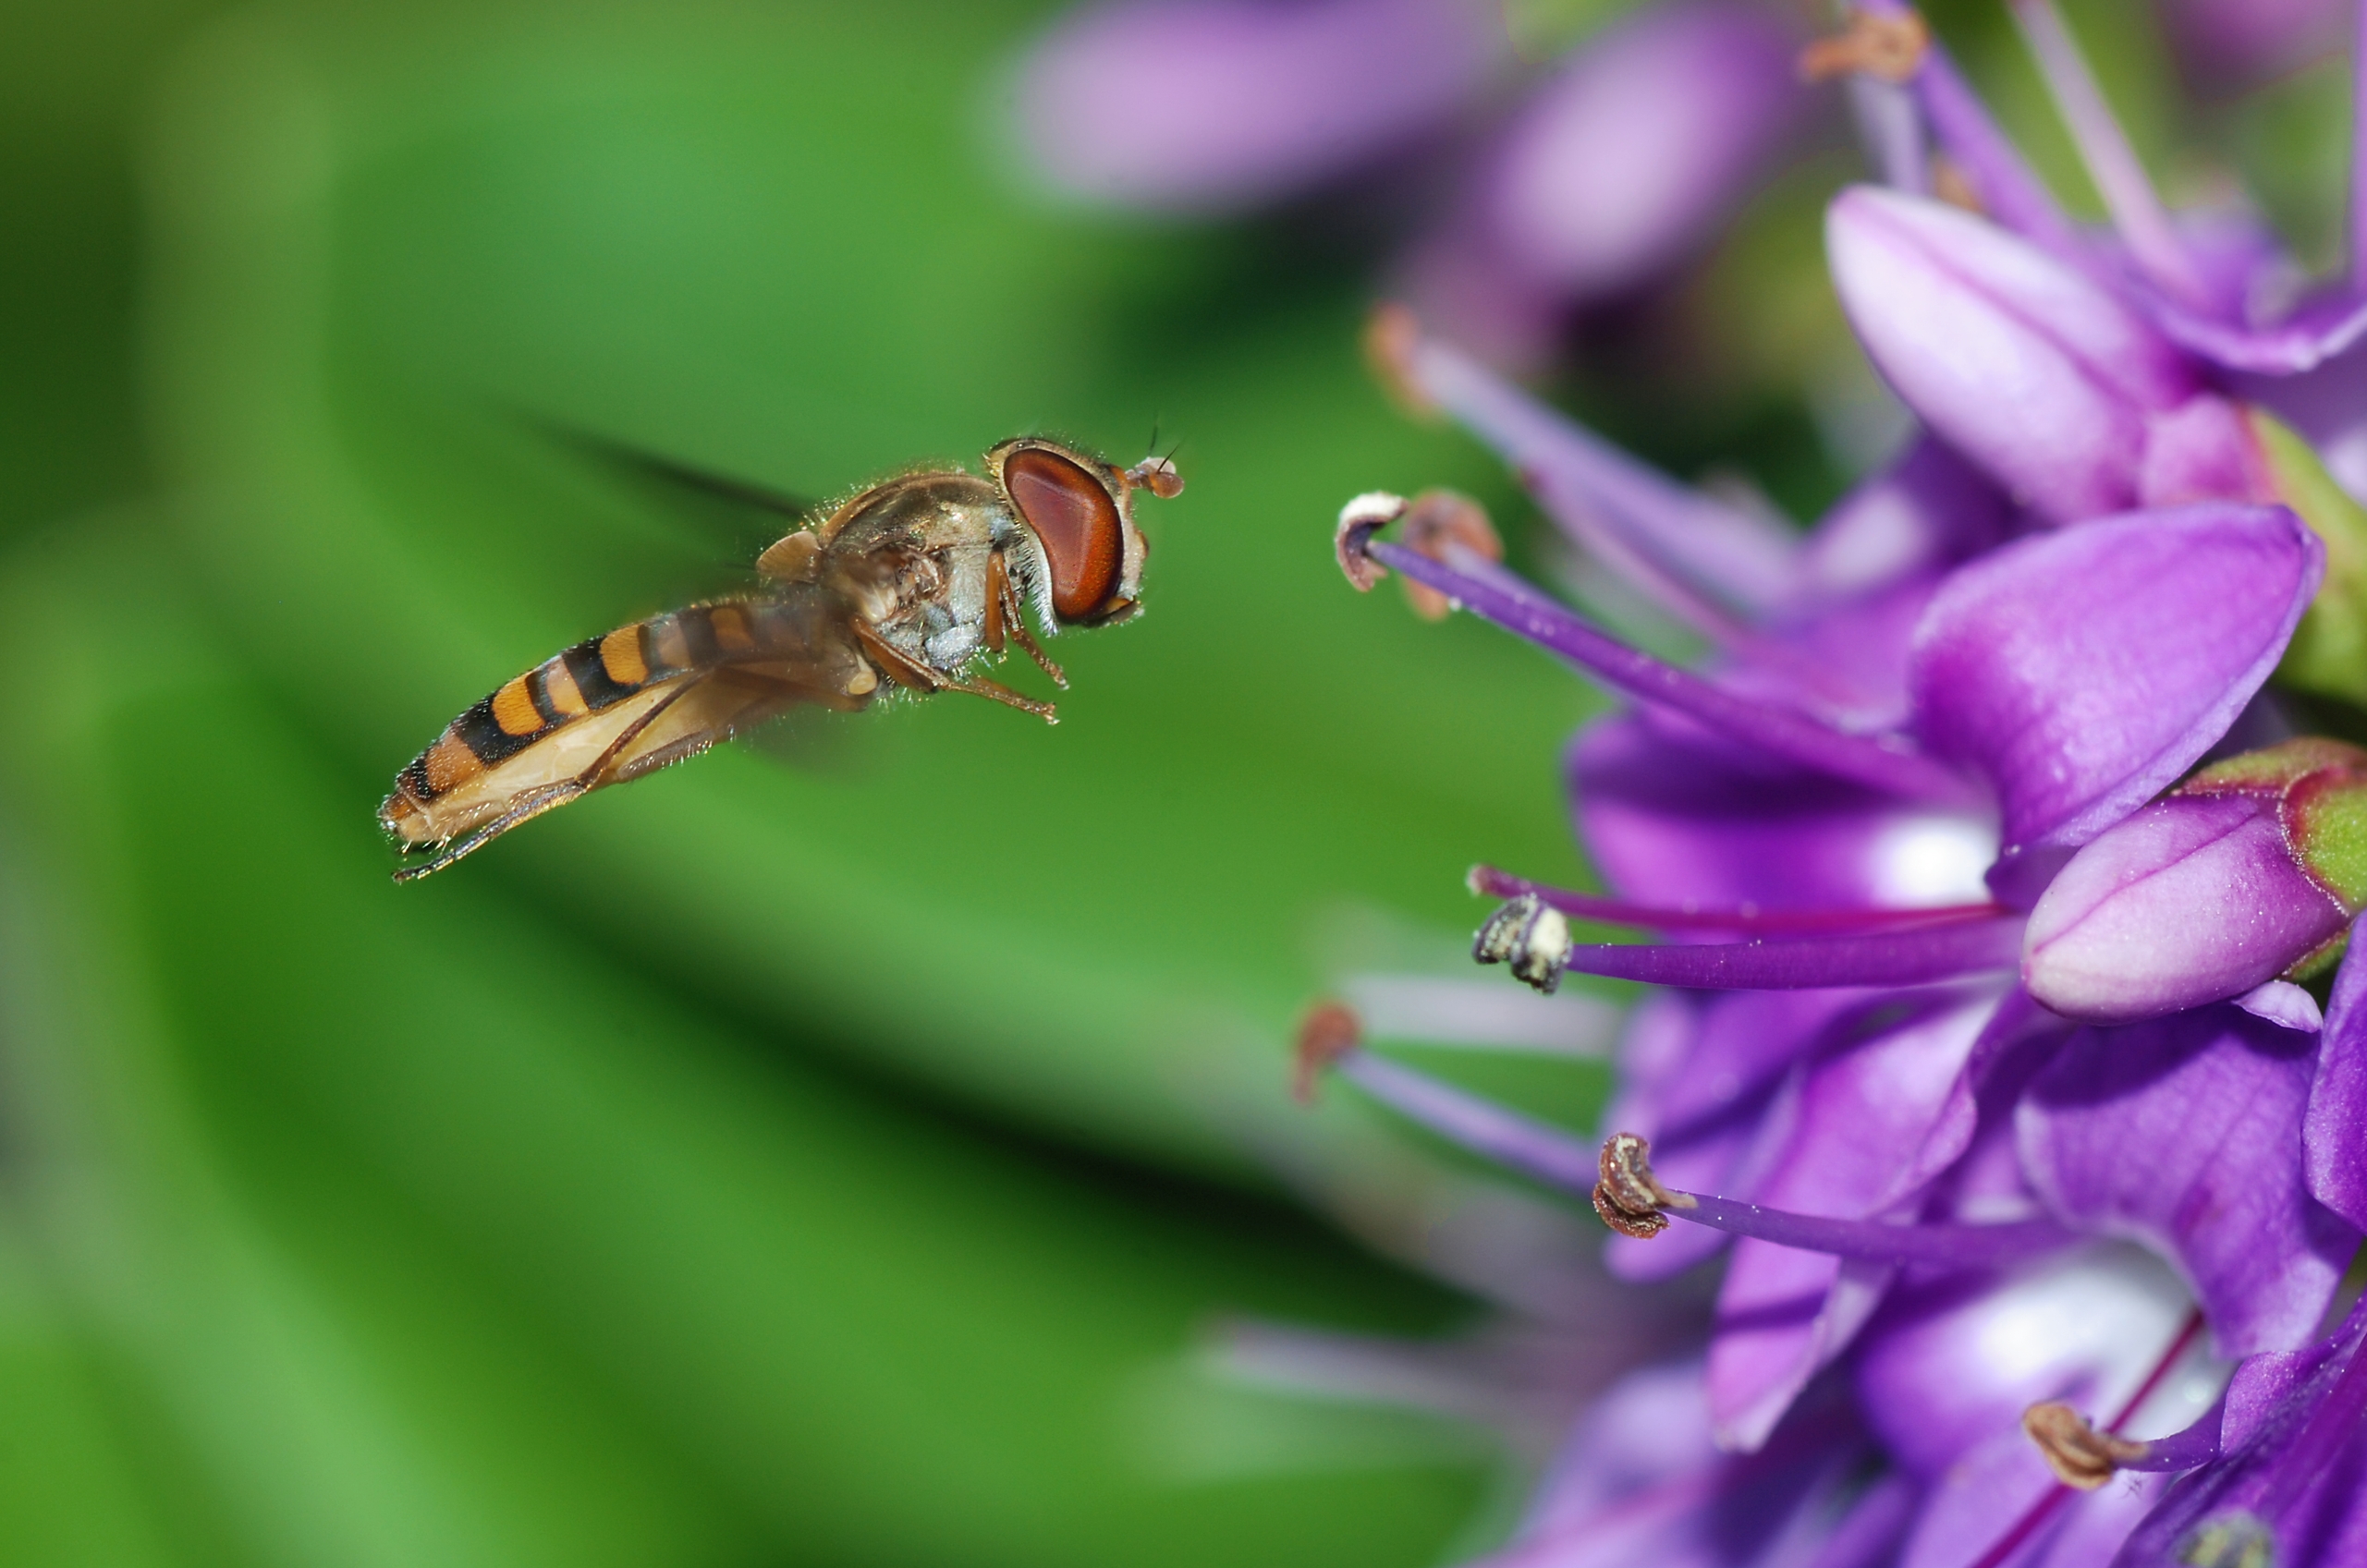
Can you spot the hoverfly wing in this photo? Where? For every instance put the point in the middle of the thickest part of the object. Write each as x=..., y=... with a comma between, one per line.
x=674, y=474
x=613, y=708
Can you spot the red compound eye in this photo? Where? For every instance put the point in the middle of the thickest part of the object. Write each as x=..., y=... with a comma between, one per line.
x=1072, y=513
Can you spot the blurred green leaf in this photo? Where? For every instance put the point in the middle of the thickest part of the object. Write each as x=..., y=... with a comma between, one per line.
x=424, y=1236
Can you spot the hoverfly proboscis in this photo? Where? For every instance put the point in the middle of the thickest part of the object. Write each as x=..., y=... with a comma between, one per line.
x=910, y=585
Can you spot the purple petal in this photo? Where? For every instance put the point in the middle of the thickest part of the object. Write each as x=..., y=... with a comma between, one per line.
x=2285, y=1004
x=1952, y=1361
x=2334, y=1136
x=2316, y=333
x=2184, y=1134
x=1678, y=818
x=2083, y=671
x=1866, y=1128
x=1216, y=105
x=2035, y=371
x=1788, y=736
x=1896, y=958
x=2293, y=1478
x=1640, y=1482
x=1624, y=162
x=2194, y=899
x=1928, y=511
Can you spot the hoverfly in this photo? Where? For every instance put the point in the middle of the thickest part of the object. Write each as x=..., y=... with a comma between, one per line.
x=911, y=584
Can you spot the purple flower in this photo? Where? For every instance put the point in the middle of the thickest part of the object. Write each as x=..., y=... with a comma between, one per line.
x=2228, y=44
x=1216, y=105
x=1618, y=165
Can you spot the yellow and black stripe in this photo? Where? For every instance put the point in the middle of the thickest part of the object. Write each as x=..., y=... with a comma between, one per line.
x=595, y=673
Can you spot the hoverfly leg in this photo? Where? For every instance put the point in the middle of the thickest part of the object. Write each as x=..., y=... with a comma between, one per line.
x=1003, y=615
x=923, y=680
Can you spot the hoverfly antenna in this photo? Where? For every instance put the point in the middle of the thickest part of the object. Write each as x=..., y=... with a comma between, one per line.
x=1157, y=475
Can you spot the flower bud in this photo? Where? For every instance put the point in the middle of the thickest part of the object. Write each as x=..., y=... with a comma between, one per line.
x=2245, y=873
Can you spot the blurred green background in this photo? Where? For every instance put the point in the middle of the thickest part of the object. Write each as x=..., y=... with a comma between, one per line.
x=807, y=1155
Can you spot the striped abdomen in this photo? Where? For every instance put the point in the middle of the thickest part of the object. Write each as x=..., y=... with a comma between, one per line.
x=714, y=667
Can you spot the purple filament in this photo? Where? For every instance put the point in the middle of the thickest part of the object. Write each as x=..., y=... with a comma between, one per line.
x=1891, y=766
x=1496, y=884
x=1916, y=957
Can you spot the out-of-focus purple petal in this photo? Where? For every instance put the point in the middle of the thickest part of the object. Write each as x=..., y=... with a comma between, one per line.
x=2037, y=372
x=2225, y=45
x=2317, y=331
x=1926, y=512
x=2194, y=899
x=1216, y=105
x=2334, y=1136
x=1951, y=1361
x=2184, y=1134
x=1626, y=160
x=1678, y=818
x=1642, y=1482
x=2083, y=671
x=1865, y=1127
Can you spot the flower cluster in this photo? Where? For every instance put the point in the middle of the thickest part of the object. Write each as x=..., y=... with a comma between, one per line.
x=1991, y=884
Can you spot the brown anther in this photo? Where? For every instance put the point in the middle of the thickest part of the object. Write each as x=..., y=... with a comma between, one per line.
x=2079, y=1455
x=1358, y=521
x=1953, y=186
x=1888, y=48
x=1391, y=334
x=1437, y=519
x=1156, y=475
x=1629, y=1198
x=1329, y=1031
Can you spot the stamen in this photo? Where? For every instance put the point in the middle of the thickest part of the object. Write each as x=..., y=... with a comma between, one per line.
x=1629, y=1198
x=1888, y=764
x=1636, y=1196
x=1489, y=882
x=2079, y=1455
x=1453, y=529
x=2019, y=1532
x=1363, y=517
x=2137, y=212
x=1329, y=1031
x=1688, y=553
x=1889, y=48
x=2002, y=185
x=1530, y=935
x=1539, y=950
x=1501, y=1136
